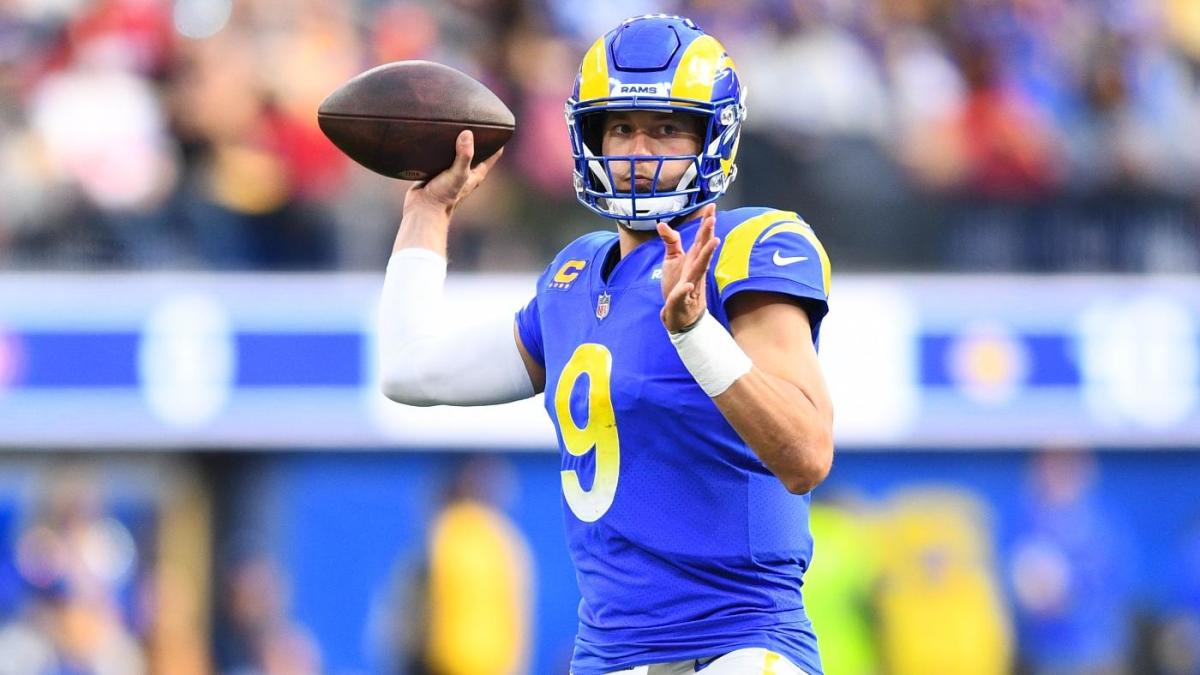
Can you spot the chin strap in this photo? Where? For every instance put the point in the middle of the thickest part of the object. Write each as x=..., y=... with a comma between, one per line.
x=646, y=206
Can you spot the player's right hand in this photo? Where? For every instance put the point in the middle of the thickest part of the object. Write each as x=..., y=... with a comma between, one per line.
x=445, y=191
x=684, y=272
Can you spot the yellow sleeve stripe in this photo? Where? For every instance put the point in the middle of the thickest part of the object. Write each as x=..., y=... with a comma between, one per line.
x=733, y=262
x=593, y=74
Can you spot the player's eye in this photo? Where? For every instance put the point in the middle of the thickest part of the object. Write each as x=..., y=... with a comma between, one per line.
x=621, y=129
x=668, y=130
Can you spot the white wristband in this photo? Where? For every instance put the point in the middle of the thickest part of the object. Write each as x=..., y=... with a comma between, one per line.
x=711, y=355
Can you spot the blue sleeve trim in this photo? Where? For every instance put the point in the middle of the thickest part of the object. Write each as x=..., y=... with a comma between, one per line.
x=529, y=328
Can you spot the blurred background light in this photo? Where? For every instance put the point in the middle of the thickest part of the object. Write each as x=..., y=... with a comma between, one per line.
x=989, y=363
x=872, y=373
x=10, y=360
x=187, y=360
x=1140, y=361
x=200, y=19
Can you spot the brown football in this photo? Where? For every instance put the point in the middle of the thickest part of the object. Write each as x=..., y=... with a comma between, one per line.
x=401, y=119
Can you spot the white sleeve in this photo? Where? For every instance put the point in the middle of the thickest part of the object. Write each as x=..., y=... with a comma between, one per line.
x=422, y=361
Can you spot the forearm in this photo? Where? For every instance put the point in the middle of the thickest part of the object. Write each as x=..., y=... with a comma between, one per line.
x=785, y=424
x=782, y=425
x=423, y=227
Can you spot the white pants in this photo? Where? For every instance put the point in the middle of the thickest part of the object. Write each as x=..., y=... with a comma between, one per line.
x=750, y=661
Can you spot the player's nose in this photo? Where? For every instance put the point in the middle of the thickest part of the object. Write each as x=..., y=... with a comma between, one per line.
x=641, y=148
x=641, y=143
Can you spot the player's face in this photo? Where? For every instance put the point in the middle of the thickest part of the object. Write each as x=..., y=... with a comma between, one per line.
x=648, y=132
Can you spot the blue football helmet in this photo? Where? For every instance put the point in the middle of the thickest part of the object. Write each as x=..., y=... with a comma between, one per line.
x=655, y=62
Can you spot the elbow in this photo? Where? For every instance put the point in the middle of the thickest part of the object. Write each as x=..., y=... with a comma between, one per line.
x=406, y=386
x=814, y=461
x=404, y=376
x=404, y=393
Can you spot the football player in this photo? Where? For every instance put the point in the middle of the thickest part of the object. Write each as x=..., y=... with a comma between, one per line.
x=678, y=358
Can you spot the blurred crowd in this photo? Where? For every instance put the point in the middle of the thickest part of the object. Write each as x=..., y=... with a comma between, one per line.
x=77, y=590
x=102, y=572
x=934, y=579
x=1028, y=135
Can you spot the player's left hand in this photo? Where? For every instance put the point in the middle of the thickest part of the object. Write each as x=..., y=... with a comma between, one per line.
x=684, y=273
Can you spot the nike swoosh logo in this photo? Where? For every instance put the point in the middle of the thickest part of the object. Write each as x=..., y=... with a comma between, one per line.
x=781, y=260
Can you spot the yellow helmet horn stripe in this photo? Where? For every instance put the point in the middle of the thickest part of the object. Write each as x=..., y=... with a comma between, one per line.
x=697, y=69
x=727, y=164
x=593, y=73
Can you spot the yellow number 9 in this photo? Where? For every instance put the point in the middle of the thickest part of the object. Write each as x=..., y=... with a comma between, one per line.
x=600, y=431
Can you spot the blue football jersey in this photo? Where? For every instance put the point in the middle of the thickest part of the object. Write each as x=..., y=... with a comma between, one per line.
x=684, y=544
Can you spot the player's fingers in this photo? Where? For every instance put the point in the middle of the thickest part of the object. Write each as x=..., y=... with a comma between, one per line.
x=671, y=239
x=708, y=217
x=487, y=164
x=464, y=152
x=703, y=235
x=678, y=295
x=700, y=265
x=708, y=223
x=480, y=172
x=667, y=233
x=699, y=257
x=691, y=263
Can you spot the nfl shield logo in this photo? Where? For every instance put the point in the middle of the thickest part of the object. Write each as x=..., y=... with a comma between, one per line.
x=602, y=305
